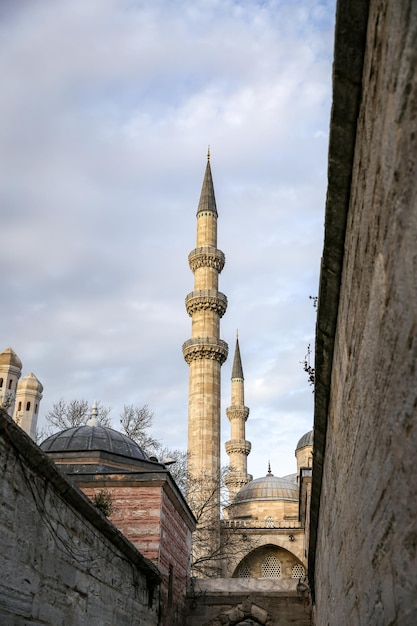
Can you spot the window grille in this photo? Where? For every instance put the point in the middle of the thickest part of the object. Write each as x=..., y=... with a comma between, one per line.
x=269, y=522
x=297, y=571
x=271, y=567
x=244, y=572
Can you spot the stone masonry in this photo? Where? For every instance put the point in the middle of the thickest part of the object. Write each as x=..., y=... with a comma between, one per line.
x=63, y=562
x=363, y=550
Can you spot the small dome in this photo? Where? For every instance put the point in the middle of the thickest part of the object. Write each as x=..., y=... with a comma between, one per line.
x=84, y=438
x=31, y=382
x=9, y=357
x=306, y=440
x=267, y=488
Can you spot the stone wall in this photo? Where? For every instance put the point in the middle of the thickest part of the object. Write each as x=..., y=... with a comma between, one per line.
x=363, y=556
x=61, y=561
x=228, y=601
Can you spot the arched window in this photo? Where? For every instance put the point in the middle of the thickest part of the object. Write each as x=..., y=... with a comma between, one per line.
x=1, y=382
x=36, y=407
x=269, y=522
x=245, y=571
x=10, y=383
x=19, y=406
x=27, y=406
x=297, y=571
x=271, y=567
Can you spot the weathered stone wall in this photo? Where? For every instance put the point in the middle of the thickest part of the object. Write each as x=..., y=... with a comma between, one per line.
x=228, y=601
x=61, y=561
x=366, y=549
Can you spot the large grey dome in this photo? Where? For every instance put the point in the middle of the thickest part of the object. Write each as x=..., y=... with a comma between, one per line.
x=306, y=440
x=83, y=438
x=267, y=488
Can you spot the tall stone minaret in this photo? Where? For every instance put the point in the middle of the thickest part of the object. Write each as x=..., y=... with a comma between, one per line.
x=237, y=448
x=205, y=352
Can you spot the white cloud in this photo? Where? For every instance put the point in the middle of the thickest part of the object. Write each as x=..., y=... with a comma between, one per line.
x=107, y=109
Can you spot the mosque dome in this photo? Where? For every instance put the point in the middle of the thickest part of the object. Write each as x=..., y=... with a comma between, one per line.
x=268, y=487
x=306, y=440
x=89, y=438
x=9, y=357
x=31, y=382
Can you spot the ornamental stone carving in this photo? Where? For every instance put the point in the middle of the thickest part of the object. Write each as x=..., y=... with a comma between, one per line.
x=205, y=348
x=237, y=412
x=206, y=257
x=243, y=447
x=207, y=300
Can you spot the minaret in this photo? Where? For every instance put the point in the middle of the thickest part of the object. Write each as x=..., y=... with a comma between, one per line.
x=237, y=448
x=10, y=372
x=28, y=398
x=205, y=352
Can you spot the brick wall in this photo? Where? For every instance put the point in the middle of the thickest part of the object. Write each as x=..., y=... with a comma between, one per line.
x=148, y=512
x=365, y=549
x=61, y=561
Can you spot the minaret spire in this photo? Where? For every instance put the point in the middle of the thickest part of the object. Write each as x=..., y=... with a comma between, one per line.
x=205, y=352
x=237, y=448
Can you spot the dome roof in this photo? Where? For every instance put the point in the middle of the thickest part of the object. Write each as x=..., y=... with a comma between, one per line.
x=267, y=488
x=306, y=440
x=83, y=438
x=9, y=357
x=31, y=382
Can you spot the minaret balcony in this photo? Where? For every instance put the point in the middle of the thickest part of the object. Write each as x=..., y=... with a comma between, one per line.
x=206, y=300
x=237, y=412
x=205, y=348
x=206, y=257
x=237, y=446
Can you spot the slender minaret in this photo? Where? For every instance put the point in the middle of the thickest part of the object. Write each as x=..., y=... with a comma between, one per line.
x=205, y=352
x=237, y=448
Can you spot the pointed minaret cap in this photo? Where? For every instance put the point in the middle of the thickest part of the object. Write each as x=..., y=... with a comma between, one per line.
x=93, y=420
x=207, y=198
x=237, y=370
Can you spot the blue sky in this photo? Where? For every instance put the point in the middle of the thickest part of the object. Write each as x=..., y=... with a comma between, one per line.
x=106, y=112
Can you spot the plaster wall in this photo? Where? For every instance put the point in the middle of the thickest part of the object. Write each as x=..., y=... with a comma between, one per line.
x=366, y=553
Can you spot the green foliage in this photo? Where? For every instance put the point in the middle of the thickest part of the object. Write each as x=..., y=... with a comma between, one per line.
x=103, y=501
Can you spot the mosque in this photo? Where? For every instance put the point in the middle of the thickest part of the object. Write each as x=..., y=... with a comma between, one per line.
x=64, y=563
x=258, y=540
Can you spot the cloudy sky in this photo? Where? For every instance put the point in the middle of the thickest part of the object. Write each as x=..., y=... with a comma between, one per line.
x=106, y=111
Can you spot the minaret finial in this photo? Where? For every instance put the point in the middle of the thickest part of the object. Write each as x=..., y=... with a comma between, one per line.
x=93, y=420
x=208, y=153
x=269, y=469
x=237, y=334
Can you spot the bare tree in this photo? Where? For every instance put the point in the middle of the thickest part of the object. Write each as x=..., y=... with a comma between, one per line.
x=212, y=542
x=176, y=462
x=135, y=422
x=74, y=413
x=6, y=400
